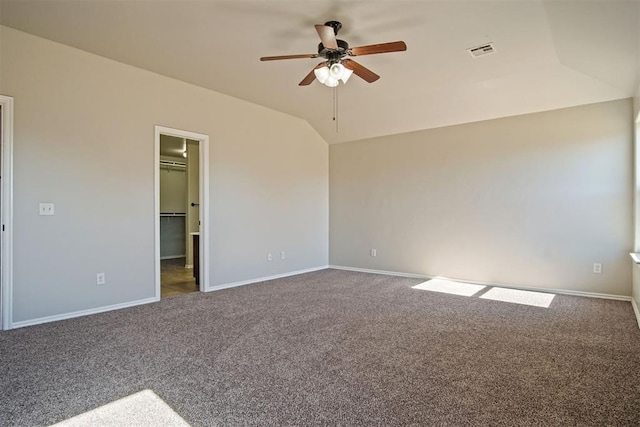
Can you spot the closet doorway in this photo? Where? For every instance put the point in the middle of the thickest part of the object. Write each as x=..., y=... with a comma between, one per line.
x=181, y=212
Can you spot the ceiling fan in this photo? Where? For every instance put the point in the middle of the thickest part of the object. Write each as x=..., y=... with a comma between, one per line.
x=338, y=67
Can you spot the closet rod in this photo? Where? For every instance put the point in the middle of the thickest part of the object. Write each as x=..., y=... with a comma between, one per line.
x=178, y=165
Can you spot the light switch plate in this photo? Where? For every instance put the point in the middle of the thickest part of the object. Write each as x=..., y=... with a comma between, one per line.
x=46, y=209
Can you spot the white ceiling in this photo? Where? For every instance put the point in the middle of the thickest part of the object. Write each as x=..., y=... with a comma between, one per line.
x=549, y=54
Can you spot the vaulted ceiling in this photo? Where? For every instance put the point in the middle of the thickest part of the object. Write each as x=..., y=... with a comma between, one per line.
x=548, y=54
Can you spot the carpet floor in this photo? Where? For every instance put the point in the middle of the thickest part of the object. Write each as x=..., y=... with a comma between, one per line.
x=335, y=348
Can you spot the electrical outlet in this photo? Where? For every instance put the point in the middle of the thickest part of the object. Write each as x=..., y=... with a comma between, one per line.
x=101, y=279
x=46, y=209
x=597, y=268
x=374, y=252
x=269, y=257
x=283, y=255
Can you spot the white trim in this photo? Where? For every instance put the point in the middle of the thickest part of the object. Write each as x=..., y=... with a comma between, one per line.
x=550, y=290
x=81, y=313
x=6, y=280
x=205, y=233
x=264, y=279
x=635, y=310
x=205, y=256
x=156, y=212
x=498, y=285
x=383, y=272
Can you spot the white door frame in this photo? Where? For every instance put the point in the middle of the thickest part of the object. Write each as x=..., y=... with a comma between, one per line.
x=6, y=215
x=204, y=202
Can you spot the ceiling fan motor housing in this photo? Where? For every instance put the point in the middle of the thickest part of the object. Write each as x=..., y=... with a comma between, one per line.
x=334, y=55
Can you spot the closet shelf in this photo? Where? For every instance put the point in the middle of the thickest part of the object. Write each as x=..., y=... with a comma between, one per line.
x=172, y=214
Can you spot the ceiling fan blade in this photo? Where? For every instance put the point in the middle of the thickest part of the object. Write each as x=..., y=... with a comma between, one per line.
x=360, y=71
x=327, y=36
x=275, y=58
x=372, y=49
x=309, y=78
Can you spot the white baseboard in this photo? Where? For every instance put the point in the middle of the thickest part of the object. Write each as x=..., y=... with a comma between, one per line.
x=499, y=285
x=264, y=279
x=80, y=313
x=635, y=310
x=386, y=273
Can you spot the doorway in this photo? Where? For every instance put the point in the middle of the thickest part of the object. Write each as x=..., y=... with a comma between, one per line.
x=179, y=215
x=181, y=187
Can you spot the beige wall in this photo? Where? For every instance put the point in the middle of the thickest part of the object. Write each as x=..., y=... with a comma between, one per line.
x=84, y=140
x=532, y=200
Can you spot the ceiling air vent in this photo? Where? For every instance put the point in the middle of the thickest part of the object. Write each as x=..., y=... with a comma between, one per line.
x=481, y=50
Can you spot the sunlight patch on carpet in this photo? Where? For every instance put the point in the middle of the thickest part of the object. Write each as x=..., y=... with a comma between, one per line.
x=450, y=287
x=144, y=408
x=517, y=296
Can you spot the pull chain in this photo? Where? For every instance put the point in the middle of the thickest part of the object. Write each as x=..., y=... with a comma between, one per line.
x=335, y=106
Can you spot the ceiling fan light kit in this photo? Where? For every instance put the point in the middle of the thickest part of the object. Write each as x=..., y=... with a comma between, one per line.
x=331, y=76
x=337, y=67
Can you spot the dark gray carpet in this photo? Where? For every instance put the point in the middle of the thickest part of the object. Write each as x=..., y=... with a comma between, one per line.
x=335, y=348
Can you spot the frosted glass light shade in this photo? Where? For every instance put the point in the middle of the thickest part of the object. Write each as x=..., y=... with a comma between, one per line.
x=331, y=82
x=322, y=74
x=337, y=71
x=345, y=76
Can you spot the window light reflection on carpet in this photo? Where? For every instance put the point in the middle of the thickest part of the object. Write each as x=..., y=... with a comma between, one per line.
x=450, y=287
x=517, y=296
x=144, y=408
